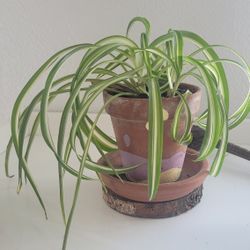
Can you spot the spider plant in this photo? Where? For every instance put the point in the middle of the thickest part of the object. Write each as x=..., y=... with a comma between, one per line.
x=119, y=65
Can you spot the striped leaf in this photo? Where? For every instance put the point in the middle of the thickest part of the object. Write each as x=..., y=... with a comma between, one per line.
x=155, y=121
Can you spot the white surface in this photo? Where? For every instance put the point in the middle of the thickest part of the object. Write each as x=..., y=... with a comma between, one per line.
x=31, y=31
x=220, y=221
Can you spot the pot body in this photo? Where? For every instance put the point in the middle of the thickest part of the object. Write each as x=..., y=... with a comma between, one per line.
x=129, y=119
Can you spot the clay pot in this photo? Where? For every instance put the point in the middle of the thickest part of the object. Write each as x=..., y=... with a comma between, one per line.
x=192, y=177
x=129, y=119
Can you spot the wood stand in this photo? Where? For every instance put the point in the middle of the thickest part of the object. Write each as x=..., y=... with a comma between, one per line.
x=152, y=209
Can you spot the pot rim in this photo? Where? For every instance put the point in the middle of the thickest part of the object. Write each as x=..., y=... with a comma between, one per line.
x=197, y=91
x=119, y=107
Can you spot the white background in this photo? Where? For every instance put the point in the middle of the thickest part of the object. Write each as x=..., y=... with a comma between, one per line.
x=31, y=31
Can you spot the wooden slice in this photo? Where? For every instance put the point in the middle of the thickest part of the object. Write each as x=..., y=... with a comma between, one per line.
x=153, y=210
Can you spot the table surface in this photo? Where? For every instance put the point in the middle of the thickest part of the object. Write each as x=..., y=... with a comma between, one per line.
x=220, y=221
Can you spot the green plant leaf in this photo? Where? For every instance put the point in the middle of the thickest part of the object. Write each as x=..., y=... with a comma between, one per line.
x=142, y=20
x=7, y=156
x=211, y=55
x=186, y=136
x=215, y=120
x=155, y=121
x=107, y=143
x=220, y=155
x=178, y=47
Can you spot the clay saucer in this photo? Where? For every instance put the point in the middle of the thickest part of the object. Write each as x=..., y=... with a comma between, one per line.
x=192, y=177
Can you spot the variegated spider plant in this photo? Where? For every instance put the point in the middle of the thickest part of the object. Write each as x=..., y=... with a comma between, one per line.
x=118, y=64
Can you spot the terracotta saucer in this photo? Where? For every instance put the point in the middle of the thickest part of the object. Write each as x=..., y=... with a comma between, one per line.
x=192, y=177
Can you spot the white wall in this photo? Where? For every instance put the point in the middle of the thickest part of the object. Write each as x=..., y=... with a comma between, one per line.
x=31, y=30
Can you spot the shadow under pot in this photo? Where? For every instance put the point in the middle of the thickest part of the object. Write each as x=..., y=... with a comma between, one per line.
x=129, y=117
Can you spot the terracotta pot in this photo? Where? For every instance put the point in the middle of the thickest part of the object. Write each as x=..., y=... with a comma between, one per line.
x=192, y=177
x=129, y=119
